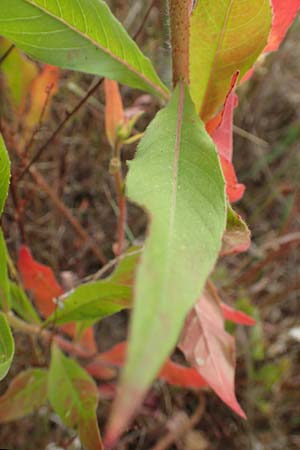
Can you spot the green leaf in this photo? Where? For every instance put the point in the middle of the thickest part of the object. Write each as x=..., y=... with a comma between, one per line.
x=93, y=301
x=225, y=36
x=177, y=177
x=79, y=35
x=74, y=397
x=4, y=282
x=4, y=173
x=7, y=346
x=22, y=305
x=26, y=393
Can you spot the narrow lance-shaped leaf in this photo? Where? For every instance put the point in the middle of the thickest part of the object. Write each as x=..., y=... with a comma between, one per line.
x=95, y=300
x=80, y=35
x=7, y=346
x=177, y=177
x=4, y=174
x=26, y=393
x=74, y=397
x=225, y=36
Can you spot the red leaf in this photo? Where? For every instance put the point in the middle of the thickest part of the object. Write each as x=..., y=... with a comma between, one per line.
x=221, y=132
x=234, y=190
x=178, y=375
x=172, y=373
x=284, y=14
x=41, y=282
x=237, y=316
x=211, y=350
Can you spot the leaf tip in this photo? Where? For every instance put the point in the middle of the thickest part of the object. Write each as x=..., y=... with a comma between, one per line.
x=127, y=401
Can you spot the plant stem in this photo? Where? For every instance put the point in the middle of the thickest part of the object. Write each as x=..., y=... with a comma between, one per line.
x=7, y=53
x=116, y=170
x=179, y=11
x=35, y=330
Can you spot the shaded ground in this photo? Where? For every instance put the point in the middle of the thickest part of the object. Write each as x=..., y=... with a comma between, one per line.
x=265, y=281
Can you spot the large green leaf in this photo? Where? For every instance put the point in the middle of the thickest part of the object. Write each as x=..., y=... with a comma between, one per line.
x=4, y=173
x=7, y=346
x=93, y=301
x=225, y=36
x=80, y=35
x=177, y=177
x=26, y=393
x=4, y=282
x=74, y=397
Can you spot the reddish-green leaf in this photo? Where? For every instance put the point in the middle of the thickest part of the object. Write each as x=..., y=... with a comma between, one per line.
x=225, y=36
x=26, y=393
x=74, y=397
x=211, y=350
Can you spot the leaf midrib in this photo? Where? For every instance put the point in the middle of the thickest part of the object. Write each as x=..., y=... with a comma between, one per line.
x=142, y=76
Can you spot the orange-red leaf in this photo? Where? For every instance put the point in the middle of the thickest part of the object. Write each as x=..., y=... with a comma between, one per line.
x=173, y=373
x=234, y=189
x=41, y=282
x=178, y=375
x=284, y=13
x=221, y=132
x=237, y=316
x=114, y=114
x=211, y=350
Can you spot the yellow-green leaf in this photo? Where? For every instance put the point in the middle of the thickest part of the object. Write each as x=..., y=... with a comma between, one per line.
x=225, y=36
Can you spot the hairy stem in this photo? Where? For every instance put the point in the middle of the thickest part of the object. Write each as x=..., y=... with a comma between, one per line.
x=179, y=11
